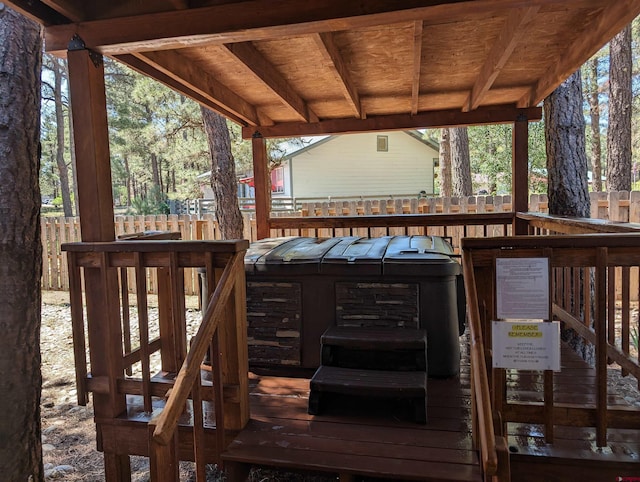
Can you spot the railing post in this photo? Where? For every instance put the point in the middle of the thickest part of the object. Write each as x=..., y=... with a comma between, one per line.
x=520, y=173
x=601, y=346
x=163, y=459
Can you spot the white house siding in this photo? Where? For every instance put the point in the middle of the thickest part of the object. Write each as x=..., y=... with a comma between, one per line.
x=351, y=165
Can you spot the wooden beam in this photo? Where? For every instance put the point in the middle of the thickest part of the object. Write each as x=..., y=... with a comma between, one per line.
x=261, y=184
x=512, y=32
x=614, y=17
x=38, y=12
x=74, y=11
x=126, y=8
x=331, y=55
x=417, y=65
x=264, y=71
x=144, y=68
x=93, y=162
x=185, y=72
x=239, y=22
x=520, y=173
x=444, y=118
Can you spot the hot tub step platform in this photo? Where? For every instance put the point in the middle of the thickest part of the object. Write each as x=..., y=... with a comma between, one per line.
x=369, y=383
x=375, y=348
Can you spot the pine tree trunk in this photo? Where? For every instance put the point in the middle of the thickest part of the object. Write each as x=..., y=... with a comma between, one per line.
x=460, y=163
x=619, y=131
x=566, y=155
x=127, y=179
x=20, y=248
x=63, y=172
x=155, y=176
x=445, y=163
x=223, y=175
x=594, y=111
x=567, y=171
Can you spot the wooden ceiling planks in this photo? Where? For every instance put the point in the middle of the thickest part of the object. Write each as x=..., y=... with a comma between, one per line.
x=288, y=64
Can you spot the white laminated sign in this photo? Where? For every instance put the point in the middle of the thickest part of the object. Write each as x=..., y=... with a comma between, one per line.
x=522, y=288
x=526, y=345
x=524, y=341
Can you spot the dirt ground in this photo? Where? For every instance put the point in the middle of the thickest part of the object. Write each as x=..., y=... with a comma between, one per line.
x=68, y=431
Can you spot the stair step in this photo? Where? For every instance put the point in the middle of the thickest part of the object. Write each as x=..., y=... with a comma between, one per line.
x=369, y=383
x=375, y=338
x=396, y=349
x=379, y=383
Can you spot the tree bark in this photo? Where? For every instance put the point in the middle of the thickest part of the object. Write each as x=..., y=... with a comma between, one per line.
x=127, y=180
x=445, y=163
x=460, y=163
x=155, y=175
x=619, y=131
x=223, y=176
x=63, y=172
x=567, y=171
x=566, y=154
x=20, y=248
x=594, y=112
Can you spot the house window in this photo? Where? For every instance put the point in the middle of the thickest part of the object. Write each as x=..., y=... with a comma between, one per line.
x=383, y=143
x=277, y=180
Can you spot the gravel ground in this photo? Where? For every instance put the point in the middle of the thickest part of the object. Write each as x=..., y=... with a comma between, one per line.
x=68, y=432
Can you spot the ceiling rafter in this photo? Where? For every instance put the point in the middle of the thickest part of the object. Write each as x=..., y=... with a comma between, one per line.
x=417, y=65
x=193, y=82
x=238, y=22
x=144, y=68
x=500, y=52
x=264, y=70
x=614, y=18
x=332, y=56
x=38, y=12
x=442, y=118
x=70, y=9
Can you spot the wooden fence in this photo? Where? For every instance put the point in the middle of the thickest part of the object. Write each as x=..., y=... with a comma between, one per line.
x=614, y=206
x=59, y=230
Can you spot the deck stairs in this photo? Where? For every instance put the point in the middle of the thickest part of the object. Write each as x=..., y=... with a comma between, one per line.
x=372, y=362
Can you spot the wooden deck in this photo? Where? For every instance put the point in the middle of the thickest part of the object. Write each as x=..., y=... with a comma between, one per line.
x=360, y=436
x=574, y=448
x=378, y=439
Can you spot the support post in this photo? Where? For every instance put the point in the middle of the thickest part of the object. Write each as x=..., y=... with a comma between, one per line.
x=520, y=172
x=261, y=185
x=88, y=100
x=95, y=200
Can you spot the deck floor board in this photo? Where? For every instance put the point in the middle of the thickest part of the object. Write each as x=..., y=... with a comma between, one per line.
x=379, y=439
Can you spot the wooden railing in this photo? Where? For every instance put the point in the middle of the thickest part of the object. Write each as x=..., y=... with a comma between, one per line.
x=494, y=456
x=455, y=226
x=139, y=357
x=583, y=289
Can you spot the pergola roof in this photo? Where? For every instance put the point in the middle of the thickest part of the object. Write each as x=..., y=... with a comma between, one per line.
x=291, y=67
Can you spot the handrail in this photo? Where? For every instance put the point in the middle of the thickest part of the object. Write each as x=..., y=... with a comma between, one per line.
x=575, y=260
x=572, y=225
x=396, y=220
x=167, y=420
x=489, y=456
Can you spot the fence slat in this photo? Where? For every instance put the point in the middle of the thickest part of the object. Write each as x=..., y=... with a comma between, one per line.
x=623, y=206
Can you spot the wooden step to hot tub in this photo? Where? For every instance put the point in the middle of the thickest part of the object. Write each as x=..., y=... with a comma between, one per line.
x=410, y=385
x=402, y=349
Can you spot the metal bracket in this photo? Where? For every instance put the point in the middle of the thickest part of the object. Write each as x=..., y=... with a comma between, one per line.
x=522, y=117
x=76, y=43
x=256, y=135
